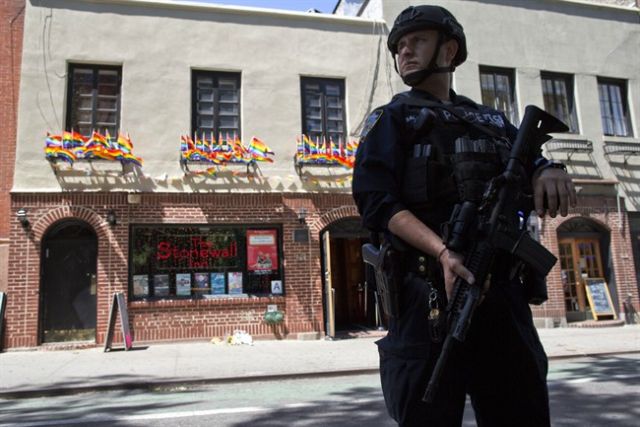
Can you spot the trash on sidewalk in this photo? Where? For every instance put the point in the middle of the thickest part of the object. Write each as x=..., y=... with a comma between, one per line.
x=240, y=337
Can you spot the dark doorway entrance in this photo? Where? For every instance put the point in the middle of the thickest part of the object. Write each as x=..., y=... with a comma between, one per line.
x=349, y=303
x=68, y=293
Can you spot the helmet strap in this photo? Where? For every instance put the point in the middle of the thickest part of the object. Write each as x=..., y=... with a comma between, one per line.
x=417, y=77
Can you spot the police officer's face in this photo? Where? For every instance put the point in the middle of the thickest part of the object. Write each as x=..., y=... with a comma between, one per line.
x=415, y=50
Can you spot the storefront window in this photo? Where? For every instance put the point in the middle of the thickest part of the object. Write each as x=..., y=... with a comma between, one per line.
x=204, y=261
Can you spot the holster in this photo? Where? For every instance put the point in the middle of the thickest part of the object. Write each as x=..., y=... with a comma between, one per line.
x=388, y=273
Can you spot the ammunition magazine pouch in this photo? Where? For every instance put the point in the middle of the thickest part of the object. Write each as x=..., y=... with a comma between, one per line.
x=535, y=286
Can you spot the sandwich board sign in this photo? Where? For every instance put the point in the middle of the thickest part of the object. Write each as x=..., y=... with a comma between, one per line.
x=118, y=304
x=599, y=298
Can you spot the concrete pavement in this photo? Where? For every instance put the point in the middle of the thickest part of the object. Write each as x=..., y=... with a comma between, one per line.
x=39, y=373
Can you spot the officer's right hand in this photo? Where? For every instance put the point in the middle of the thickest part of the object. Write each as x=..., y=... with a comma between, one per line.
x=452, y=267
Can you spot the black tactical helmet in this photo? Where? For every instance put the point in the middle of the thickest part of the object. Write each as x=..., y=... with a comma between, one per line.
x=416, y=18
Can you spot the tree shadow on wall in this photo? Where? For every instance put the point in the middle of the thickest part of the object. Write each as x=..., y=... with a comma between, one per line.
x=628, y=174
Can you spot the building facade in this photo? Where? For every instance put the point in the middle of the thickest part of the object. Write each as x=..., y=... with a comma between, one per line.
x=12, y=16
x=197, y=159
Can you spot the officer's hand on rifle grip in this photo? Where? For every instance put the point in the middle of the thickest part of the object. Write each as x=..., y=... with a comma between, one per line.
x=452, y=267
x=553, y=186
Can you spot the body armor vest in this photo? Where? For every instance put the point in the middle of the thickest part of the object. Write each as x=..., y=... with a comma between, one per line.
x=449, y=158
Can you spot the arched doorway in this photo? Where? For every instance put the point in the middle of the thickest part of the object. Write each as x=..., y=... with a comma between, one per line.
x=583, y=246
x=348, y=300
x=68, y=283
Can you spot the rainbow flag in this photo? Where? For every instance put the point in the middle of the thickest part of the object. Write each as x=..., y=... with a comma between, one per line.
x=223, y=151
x=327, y=153
x=72, y=146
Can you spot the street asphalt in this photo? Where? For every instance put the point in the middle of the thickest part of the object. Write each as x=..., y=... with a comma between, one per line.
x=30, y=373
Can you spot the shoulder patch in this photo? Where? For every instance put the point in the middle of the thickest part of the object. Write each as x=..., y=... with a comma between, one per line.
x=370, y=123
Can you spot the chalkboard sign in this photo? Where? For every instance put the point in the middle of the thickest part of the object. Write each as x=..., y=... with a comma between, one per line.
x=599, y=298
x=118, y=304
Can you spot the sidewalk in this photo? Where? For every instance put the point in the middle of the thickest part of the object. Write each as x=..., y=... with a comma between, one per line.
x=36, y=373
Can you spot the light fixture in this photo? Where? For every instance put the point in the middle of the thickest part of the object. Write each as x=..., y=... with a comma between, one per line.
x=111, y=218
x=22, y=217
x=302, y=215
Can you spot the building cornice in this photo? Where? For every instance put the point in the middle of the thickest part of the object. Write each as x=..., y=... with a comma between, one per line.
x=633, y=9
x=239, y=10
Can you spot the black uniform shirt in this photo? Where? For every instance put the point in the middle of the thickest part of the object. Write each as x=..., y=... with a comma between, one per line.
x=386, y=141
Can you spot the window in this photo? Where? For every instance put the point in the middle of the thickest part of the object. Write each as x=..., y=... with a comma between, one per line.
x=323, y=114
x=557, y=90
x=613, y=107
x=94, y=99
x=216, y=105
x=202, y=261
x=498, y=91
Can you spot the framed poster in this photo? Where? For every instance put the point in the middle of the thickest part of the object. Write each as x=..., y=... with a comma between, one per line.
x=218, y=285
x=235, y=282
x=140, y=285
x=599, y=297
x=262, y=250
x=161, y=284
x=201, y=283
x=183, y=284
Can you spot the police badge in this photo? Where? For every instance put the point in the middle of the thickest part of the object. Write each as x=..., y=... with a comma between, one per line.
x=370, y=123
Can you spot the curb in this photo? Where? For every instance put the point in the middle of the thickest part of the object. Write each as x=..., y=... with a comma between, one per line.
x=194, y=383
x=187, y=383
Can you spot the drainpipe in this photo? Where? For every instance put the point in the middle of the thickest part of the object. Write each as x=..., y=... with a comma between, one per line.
x=619, y=210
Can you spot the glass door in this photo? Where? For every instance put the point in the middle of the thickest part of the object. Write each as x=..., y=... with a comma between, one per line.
x=579, y=260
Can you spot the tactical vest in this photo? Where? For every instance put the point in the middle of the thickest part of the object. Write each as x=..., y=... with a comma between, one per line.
x=449, y=158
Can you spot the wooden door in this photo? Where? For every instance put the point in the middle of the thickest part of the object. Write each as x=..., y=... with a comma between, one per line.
x=329, y=292
x=579, y=260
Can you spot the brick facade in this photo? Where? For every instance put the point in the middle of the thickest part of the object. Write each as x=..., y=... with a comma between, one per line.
x=11, y=30
x=302, y=303
x=175, y=319
x=603, y=212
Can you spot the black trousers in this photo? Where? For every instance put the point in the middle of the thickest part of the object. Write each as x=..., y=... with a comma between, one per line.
x=501, y=365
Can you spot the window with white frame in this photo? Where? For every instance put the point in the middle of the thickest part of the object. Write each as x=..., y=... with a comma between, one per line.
x=557, y=91
x=498, y=91
x=614, y=109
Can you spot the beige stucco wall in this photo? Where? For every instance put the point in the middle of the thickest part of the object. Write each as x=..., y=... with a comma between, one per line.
x=584, y=39
x=157, y=45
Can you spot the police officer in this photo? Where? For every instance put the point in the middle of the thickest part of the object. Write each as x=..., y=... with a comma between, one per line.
x=406, y=182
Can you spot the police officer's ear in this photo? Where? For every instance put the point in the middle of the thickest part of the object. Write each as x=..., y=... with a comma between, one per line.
x=448, y=51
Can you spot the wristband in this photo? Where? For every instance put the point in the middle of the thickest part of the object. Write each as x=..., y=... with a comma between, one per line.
x=539, y=167
x=441, y=252
x=557, y=165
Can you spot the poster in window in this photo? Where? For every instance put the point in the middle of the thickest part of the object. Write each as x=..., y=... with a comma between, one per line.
x=218, y=284
x=262, y=250
x=140, y=285
x=276, y=287
x=161, y=285
x=183, y=284
x=235, y=282
x=201, y=283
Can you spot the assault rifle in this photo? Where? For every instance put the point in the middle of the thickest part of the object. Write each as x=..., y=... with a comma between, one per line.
x=478, y=231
